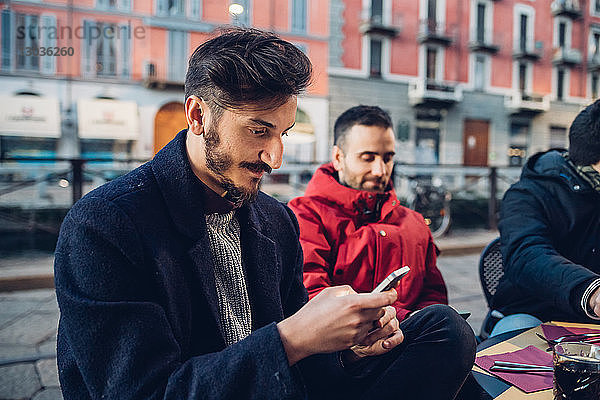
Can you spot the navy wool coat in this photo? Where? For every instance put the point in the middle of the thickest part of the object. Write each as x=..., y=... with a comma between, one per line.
x=136, y=291
x=550, y=235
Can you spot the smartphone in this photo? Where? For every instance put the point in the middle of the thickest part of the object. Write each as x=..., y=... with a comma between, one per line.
x=392, y=280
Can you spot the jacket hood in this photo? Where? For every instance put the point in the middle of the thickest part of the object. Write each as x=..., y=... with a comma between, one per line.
x=324, y=184
x=552, y=164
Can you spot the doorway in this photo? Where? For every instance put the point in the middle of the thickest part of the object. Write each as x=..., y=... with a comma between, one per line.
x=169, y=120
x=475, y=143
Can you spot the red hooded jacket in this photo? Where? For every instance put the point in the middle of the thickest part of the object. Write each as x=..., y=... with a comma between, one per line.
x=345, y=241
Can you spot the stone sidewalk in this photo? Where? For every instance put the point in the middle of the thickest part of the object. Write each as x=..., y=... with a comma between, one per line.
x=28, y=318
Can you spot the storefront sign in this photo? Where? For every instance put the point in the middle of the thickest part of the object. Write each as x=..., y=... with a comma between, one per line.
x=108, y=119
x=30, y=116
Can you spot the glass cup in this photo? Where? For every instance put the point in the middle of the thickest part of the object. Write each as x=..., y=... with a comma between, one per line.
x=576, y=371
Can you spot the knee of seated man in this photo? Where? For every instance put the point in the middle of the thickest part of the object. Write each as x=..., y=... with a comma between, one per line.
x=452, y=326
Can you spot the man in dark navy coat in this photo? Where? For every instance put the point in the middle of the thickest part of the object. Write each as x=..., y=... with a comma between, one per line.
x=181, y=280
x=550, y=233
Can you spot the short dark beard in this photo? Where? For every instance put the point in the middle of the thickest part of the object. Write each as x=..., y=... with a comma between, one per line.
x=219, y=162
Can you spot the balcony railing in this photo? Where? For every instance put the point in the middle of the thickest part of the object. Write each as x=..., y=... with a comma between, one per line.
x=434, y=93
x=567, y=8
x=521, y=102
x=154, y=78
x=528, y=53
x=594, y=62
x=431, y=31
x=487, y=45
x=377, y=24
x=566, y=57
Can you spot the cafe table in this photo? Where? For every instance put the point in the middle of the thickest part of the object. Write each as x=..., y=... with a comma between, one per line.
x=501, y=390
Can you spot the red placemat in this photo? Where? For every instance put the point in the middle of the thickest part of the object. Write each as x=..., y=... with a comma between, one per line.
x=554, y=332
x=527, y=382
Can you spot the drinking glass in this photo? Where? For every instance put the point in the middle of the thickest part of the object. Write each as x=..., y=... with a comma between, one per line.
x=576, y=371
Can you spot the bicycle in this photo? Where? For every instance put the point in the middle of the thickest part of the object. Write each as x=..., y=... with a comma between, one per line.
x=431, y=199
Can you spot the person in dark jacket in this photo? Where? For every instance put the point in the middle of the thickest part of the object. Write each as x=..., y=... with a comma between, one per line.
x=550, y=232
x=353, y=229
x=180, y=280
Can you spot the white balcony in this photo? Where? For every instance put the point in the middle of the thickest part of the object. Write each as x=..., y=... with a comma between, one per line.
x=567, y=8
x=434, y=93
x=566, y=57
x=520, y=102
x=379, y=24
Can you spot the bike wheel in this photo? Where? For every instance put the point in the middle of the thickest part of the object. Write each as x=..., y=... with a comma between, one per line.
x=434, y=206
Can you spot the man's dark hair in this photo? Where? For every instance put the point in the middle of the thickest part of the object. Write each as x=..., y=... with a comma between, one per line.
x=247, y=68
x=359, y=115
x=584, y=136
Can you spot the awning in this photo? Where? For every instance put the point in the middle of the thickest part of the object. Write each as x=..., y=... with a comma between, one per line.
x=31, y=116
x=108, y=119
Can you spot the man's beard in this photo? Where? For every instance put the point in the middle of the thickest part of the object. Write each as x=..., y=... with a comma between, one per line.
x=219, y=162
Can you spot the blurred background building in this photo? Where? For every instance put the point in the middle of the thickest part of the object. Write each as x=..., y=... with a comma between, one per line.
x=116, y=90
x=471, y=82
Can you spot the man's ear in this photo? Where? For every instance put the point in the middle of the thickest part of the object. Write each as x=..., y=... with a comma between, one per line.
x=337, y=158
x=195, y=114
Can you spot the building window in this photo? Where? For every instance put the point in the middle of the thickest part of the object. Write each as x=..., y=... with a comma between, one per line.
x=6, y=42
x=106, y=50
x=480, y=32
x=523, y=32
x=560, y=84
x=299, y=16
x=171, y=8
x=479, y=72
x=427, y=150
x=562, y=34
x=377, y=11
x=432, y=11
x=124, y=5
x=431, y=64
x=107, y=54
x=595, y=7
x=523, y=77
x=558, y=137
x=595, y=46
x=517, y=149
x=196, y=9
x=177, y=56
x=27, y=38
x=594, y=85
x=375, y=62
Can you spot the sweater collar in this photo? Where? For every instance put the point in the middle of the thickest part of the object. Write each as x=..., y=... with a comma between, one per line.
x=184, y=193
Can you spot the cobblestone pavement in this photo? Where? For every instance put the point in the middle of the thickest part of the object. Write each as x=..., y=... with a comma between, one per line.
x=28, y=321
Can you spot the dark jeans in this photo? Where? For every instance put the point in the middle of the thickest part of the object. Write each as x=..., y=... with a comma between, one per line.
x=432, y=363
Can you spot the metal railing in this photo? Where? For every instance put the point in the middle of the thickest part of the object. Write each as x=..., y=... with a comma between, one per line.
x=39, y=183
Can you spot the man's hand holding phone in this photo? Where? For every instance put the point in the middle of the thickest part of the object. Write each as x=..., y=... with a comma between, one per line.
x=386, y=334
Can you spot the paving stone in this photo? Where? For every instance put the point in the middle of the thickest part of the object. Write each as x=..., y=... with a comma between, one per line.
x=30, y=329
x=461, y=274
x=18, y=307
x=52, y=393
x=49, y=306
x=48, y=394
x=48, y=346
x=12, y=351
x=19, y=381
x=48, y=372
x=36, y=294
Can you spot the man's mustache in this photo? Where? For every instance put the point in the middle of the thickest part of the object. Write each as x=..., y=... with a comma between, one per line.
x=257, y=167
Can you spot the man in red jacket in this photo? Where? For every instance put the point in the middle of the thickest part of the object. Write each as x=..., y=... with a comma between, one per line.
x=353, y=229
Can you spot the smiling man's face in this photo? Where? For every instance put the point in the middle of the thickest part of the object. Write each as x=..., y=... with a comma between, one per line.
x=367, y=158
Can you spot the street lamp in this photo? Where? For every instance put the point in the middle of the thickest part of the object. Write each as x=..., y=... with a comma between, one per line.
x=236, y=10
